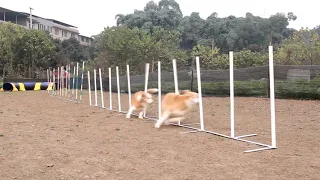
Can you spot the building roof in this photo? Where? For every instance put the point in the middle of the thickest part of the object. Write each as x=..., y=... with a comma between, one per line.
x=85, y=36
x=28, y=14
x=62, y=23
x=8, y=10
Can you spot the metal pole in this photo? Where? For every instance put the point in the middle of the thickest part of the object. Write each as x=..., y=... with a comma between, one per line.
x=101, y=89
x=31, y=17
x=89, y=88
x=129, y=84
x=159, y=90
x=146, y=84
x=272, y=98
x=118, y=88
x=110, y=90
x=231, y=93
x=200, y=94
x=95, y=87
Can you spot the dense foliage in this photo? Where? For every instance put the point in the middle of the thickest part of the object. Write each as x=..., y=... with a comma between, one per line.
x=212, y=38
x=25, y=52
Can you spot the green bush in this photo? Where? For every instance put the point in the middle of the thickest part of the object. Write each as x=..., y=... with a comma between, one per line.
x=299, y=89
x=241, y=88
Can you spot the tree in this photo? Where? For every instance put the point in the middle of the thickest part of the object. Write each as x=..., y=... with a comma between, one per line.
x=8, y=35
x=301, y=49
x=34, y=50
x=24, y=51
x=190, y=28
x=120, y=46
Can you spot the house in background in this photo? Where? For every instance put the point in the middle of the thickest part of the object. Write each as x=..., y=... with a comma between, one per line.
x=57, y=29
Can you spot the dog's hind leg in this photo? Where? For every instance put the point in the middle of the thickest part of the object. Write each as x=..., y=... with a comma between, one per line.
x=142, y=112
x=130, y=112
x=174, y=120
x=140, y=115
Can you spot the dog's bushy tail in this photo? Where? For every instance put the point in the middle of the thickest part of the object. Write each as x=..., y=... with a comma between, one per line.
x=152, y=90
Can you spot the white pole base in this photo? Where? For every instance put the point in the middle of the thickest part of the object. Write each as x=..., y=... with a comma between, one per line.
x=260, y=149
x=238, y=138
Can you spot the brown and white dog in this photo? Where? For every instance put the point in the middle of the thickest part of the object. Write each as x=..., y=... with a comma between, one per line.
x=140, y=101
x=175, y=106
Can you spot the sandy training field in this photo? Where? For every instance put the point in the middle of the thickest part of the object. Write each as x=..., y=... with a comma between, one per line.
x=44, y=137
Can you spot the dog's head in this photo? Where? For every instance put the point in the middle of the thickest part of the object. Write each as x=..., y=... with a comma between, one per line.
x=145, y=98
x=192, y=97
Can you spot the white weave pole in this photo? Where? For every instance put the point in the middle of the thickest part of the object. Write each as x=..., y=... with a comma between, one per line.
x=95, y=86
x=232, y=114
x=58, y=83
x=77, y=83
x=81, y=85
x=110, y=90
x=89, y=88
x=67, y=76
x=54, y=81
x=129, y=84
x=51, y=75
x=175, y=78
x=118, y=87
x=62, y=81
x=146, y=84
x=272, y=99
x=69, y=80
x=101, y=89
x=231, y=93
x=48, y=77
x=74, y=81
x=159, y=90
x=200, y=93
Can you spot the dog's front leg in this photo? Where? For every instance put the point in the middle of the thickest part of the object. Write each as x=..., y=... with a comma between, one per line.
x=164, y=117
x=130, y=112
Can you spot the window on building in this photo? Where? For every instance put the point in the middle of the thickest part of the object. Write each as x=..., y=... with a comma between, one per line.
x=82, y=39
x=56, y=31
x=87, y=40
x=64, y=33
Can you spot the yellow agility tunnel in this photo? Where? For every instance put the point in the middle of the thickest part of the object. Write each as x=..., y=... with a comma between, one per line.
x=25, y=86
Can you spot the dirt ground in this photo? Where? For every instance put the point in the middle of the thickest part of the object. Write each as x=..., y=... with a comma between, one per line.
x=45, y=137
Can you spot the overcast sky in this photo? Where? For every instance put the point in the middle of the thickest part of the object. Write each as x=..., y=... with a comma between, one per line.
x=93, y=15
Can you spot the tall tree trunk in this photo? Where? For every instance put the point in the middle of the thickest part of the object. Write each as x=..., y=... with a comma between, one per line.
x=29, y=68
x=152, y=66
x=32, y=65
